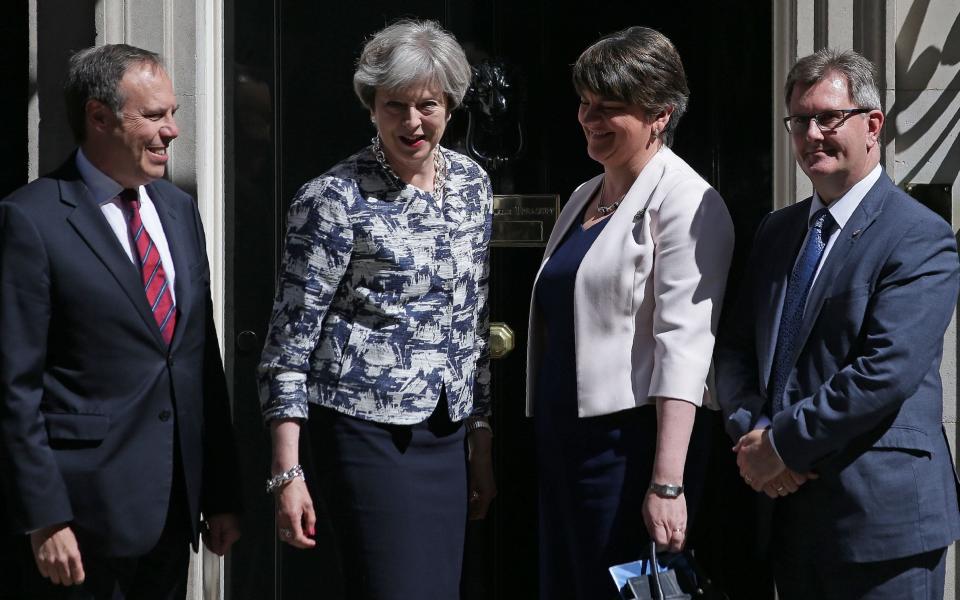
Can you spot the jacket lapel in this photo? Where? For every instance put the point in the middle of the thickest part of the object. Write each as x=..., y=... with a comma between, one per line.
x=792, y=237
x=89, y=223
x=173, y=230
x=570, y=213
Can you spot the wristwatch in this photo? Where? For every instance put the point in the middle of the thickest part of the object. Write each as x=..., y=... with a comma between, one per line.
x=666, y=490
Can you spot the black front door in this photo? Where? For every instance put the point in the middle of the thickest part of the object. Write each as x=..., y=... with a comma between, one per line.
x=293, y=115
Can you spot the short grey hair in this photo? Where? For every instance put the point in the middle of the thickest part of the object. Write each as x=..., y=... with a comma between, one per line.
x=408, y=52
x=95, y=74
x=639, y=66
x=859, y=72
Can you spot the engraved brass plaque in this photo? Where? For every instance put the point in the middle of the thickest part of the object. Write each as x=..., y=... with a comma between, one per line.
x=523, y=219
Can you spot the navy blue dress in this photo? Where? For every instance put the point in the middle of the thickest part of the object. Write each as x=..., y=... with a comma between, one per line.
x=594, y=471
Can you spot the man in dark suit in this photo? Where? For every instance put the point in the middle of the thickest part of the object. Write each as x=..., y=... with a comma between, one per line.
x=115, y=430
x=829, y=372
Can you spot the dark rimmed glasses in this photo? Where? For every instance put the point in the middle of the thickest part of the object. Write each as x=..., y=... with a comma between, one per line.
x=827, y=120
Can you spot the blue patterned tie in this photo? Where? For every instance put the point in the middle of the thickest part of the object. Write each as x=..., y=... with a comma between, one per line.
x=794, y=301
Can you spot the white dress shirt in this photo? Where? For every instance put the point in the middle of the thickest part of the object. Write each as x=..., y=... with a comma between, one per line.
x=106, y=194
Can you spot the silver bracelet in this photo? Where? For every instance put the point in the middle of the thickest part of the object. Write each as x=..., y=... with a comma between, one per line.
x=278, y=481
x=472, y=425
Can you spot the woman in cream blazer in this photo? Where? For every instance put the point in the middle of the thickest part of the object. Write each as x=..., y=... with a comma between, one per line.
x=622, y=324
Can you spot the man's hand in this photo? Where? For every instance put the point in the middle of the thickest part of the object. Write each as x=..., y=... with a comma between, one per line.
x=57, y=554
x=483, y=487
x=223, y=530
x=786, y=483
x=758, y=462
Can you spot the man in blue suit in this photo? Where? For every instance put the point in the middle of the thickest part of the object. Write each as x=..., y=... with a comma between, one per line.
x=115, y=431
x=829, y=375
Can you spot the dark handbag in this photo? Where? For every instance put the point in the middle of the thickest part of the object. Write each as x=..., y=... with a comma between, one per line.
x=683, y=579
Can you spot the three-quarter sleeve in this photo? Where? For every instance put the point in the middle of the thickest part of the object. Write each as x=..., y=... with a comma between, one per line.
x=481, y=386
x=319, y=240
x=694, y=244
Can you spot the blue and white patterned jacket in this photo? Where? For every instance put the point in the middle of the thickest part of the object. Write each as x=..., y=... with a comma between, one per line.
x=382, y=297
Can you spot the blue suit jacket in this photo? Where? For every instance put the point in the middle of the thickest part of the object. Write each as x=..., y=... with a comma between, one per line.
x=864, y=397
x=90, y=395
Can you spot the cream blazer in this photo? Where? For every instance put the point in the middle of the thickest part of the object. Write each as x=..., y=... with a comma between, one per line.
x=648, y=293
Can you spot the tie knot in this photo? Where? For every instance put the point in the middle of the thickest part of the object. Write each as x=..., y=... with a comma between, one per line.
x=823, y=220
x=130, y=196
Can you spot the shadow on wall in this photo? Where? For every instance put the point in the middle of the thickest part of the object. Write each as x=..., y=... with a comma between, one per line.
x=919, y=75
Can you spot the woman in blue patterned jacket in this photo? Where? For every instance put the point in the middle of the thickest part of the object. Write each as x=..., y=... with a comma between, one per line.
x=378, y=338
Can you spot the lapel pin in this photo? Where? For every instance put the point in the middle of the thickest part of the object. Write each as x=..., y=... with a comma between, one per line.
x=856, y=234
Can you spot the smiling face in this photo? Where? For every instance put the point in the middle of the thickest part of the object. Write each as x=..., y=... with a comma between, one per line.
x=411, y=122
x=834, y=160
x=131, y=148
x=619, y=135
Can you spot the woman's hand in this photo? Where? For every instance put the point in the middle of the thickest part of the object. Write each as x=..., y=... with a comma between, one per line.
x=483, y=488
x=296, y=519
x=666, y=520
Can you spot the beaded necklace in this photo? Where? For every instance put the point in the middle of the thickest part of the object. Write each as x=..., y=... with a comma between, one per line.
x=439, y=168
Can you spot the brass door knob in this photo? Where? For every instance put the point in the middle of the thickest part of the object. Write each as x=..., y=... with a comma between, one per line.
x=502, y=339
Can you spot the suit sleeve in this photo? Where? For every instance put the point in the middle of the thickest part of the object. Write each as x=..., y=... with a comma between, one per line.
x=914, y=298
x=694, y=244
x=737, y=369
x=221, y=470
x=36, y=494
x=319, y=242
x=481, y=387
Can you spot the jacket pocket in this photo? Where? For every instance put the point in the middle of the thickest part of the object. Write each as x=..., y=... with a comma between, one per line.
x=76, y=427
x=905, y=438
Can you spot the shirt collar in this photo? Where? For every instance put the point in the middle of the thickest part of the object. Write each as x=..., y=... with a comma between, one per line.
x=843, y=207
x=101, y=186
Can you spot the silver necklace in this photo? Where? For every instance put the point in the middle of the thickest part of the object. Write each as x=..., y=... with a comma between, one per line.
x=604, y=210
x=439, y=168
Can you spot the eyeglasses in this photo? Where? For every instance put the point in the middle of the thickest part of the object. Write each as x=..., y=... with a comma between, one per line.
x=827, y=120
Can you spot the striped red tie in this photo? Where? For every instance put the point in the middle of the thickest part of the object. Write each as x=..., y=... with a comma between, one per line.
x=155, y=282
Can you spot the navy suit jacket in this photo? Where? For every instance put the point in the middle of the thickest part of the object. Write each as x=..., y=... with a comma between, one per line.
x=90, y=395
x=863, y=402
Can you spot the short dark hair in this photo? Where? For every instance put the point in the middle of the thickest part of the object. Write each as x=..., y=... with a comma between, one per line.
x=639, y=66
x=95, y=74
x=859, y=71
x=409, y=51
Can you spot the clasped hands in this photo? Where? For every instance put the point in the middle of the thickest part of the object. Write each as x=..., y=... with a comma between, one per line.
x=763, y=470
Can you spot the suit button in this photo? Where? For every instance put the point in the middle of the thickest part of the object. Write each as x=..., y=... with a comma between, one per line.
x=170, y=361
x=164, y=415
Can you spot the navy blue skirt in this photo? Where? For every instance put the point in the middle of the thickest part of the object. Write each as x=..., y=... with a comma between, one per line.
x=593, y=472
x=396, y=496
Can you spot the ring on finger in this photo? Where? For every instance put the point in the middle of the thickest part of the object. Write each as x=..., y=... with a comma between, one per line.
x=748, y=480
x=779, y=489
x=285, y=533
x=474, y=495
x=678, y=530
